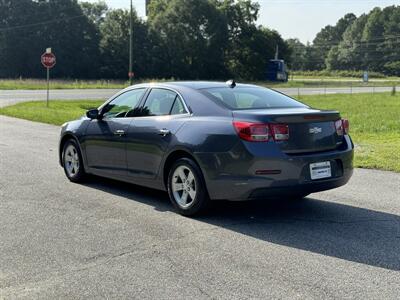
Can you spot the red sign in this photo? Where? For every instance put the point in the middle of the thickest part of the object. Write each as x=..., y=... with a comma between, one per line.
x=48, y=60
x=131, y=74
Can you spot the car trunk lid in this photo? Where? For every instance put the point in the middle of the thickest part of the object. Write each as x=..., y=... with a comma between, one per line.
x=310, y=130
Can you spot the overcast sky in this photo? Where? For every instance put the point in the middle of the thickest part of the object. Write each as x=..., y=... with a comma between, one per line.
x=294, y=18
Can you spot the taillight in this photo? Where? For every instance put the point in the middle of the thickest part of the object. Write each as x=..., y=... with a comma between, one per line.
x=342, y=126
x=259, y=132
x=252, y=132
x=280, y=132
x=346, y=126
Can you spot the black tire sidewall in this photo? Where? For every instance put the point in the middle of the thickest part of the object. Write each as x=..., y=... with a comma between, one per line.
x=78, y=177
x=202, y=199
x=299, y=197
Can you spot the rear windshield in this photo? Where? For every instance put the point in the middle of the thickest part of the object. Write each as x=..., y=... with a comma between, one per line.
x=251, y=98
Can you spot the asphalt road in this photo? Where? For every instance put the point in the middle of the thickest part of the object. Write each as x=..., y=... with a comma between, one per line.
x=105, y=239
x=9, y=97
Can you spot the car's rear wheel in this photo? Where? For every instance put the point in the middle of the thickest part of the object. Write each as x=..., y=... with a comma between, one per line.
x=186, y=187
x=72, y=161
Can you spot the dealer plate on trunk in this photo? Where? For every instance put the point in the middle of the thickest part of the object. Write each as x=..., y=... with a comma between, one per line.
x=320, y=170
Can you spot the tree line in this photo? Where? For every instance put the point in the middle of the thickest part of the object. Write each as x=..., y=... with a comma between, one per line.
x=182, y=39
x=369, y=42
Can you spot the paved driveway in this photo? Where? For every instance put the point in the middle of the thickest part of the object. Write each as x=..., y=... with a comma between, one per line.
x=115, y=240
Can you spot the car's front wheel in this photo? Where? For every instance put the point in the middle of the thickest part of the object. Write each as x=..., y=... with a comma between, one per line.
x=72, y=161
x=186, y=187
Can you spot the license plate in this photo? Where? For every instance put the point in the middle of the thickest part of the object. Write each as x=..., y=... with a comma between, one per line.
x=320, y=170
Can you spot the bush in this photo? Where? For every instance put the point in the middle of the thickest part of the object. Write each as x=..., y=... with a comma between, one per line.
x=393, y=68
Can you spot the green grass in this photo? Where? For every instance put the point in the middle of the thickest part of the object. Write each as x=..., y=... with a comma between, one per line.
x=338, y=73
x=374, y=126
x=374, y=122
x=39, y=84
x=328, y=83
x=57, y=113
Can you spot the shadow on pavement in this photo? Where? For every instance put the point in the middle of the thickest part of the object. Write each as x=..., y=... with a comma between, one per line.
x=328, y=228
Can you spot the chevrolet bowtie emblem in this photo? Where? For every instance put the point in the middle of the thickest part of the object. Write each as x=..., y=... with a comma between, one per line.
x=315, y=130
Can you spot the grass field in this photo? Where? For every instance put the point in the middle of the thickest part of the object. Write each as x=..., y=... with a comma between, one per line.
x=374, y=122
x=39, y=84
x=57, y=113
x=296, y=81
x=374, y=126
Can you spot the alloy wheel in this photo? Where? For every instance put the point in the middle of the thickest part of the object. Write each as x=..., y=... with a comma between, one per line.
x=71, y=161
x=184, y=186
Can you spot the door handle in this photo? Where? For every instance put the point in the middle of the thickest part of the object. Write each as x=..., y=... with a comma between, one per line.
x=119, y=132
x=164, y=132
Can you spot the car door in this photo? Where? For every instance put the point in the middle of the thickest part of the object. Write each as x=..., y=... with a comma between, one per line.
x=105, y=139
x=150, y=134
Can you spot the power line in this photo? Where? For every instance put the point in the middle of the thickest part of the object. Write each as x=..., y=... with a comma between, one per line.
x=348, y=46
x=336, y=42
x=40, y=23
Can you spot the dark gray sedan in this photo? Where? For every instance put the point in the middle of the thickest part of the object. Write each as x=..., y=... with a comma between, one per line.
x=205, y=141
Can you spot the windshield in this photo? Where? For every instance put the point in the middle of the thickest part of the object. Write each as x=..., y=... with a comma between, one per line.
x=251, y=98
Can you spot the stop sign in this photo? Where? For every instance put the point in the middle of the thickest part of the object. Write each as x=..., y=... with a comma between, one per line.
x=48, y=60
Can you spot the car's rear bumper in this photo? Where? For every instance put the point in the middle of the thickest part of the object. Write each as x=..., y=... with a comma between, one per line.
x=233, y=177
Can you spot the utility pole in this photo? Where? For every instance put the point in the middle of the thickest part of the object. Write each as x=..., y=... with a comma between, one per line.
x=277, y=52
x=131, y=46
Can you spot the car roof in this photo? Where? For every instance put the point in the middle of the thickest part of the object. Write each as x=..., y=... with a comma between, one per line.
x=197, y=85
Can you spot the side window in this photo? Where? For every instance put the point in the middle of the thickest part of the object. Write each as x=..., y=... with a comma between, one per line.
x=124, y=105
x=178, y=107
x=159, y=103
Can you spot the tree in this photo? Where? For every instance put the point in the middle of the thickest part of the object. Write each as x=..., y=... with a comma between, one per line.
x=29, y=27
x=248, y=48
x=95, y=11
x=298, y=56
x=329, y=37
x=115, y=48
x=370, y=43
x=192, y=34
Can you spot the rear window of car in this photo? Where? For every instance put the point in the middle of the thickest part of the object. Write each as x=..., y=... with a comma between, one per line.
x=251, y=98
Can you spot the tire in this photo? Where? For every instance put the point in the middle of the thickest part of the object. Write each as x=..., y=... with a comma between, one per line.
x=72, y=162
x=298, y=197
x=185, y=177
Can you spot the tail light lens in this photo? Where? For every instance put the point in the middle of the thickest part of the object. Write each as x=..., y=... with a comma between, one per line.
x=342, y=126
x=280, y=132
x=346, y=126
x=259, y=132
x=252, y=132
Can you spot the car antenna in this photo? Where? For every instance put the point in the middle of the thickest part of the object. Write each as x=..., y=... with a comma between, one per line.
x=231, y=83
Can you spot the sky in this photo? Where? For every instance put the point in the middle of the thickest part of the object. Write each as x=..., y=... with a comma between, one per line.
x=301, y=19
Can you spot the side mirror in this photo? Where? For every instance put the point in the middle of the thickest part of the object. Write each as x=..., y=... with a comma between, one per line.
x=93, y=114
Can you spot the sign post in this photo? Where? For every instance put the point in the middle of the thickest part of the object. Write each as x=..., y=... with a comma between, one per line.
x=365, y=77
x=131, y=45
x=48, y=60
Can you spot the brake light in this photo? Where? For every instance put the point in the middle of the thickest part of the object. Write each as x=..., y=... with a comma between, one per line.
x=280, y=132
x=259, y=132
x=252, y=132
x=346, y=126
x=342, y=126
